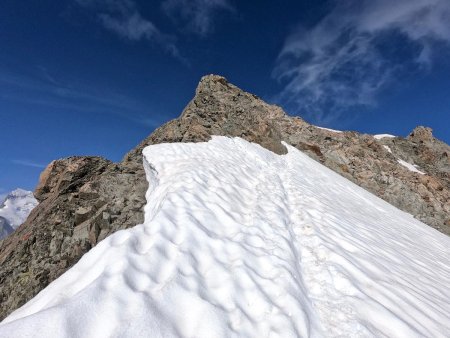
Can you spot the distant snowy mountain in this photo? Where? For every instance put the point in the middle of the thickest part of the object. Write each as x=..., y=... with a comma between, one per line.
x=15, y=209
x=241, y=242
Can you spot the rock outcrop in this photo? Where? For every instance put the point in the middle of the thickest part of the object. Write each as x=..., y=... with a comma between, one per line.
x=84, y=199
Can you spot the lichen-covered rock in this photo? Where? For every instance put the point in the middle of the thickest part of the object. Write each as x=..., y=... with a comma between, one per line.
x=82, y=200
x=85, y=199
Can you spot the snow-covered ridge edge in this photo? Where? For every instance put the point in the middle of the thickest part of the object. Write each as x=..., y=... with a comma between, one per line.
x=352, y=289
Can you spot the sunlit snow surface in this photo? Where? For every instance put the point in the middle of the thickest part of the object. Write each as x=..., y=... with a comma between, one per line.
x=328, y=129
x=240, y=242
x=387, y=148
x=410, y=167
x=380, y=136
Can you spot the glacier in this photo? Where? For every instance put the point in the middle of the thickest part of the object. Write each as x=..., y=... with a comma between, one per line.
x=241, y=242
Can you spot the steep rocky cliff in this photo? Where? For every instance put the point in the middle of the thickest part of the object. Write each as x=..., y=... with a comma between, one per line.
x=84, y=199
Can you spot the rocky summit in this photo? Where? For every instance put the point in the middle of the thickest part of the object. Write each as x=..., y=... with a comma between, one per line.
x=82, y=200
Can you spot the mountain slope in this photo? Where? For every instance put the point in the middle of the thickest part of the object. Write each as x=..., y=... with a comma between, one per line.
x=5, y=227
x=240, y=242
x=220, y=108
x=15, y=209
x=85, y=199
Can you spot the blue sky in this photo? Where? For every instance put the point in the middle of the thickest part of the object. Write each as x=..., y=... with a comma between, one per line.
x=94, y=77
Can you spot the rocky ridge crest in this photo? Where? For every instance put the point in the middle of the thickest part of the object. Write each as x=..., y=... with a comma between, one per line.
x=84, y=199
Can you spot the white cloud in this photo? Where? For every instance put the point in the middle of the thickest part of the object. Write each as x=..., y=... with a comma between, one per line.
x=133, y=27
x=359, y=48
x=28, y=163
x=58, y=93
x=123, y=18
x=196, y=15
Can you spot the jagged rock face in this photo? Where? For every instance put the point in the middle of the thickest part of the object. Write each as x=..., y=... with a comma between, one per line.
x=84, y=199
x=421, y=135
x=220, y=108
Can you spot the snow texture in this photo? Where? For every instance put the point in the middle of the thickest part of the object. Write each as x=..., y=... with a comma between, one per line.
x=332, y=130
x=17, y=206
x=380, y=136
x=410, y=166
x=387, y=148
x=240, y=242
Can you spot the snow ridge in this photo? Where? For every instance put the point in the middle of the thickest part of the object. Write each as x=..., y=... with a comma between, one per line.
x=328, y=129
x=381, y=136
x=240, y=242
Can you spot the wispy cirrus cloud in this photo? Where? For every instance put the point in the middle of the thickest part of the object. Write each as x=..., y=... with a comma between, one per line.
x=133, y=27
x=28, y=163
x=45, y=89
x=357, y=50
x=197, y=16
x=123, y=18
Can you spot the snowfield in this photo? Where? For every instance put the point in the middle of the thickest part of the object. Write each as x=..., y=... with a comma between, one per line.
x=380, y=136
x=328, y=129
x=240, y=242
x=410, y=167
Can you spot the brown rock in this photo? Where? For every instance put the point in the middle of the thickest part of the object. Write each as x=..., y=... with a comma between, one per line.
x=421, y=134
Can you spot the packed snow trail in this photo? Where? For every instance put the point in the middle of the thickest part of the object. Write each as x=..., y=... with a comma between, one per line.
x=240, y=242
